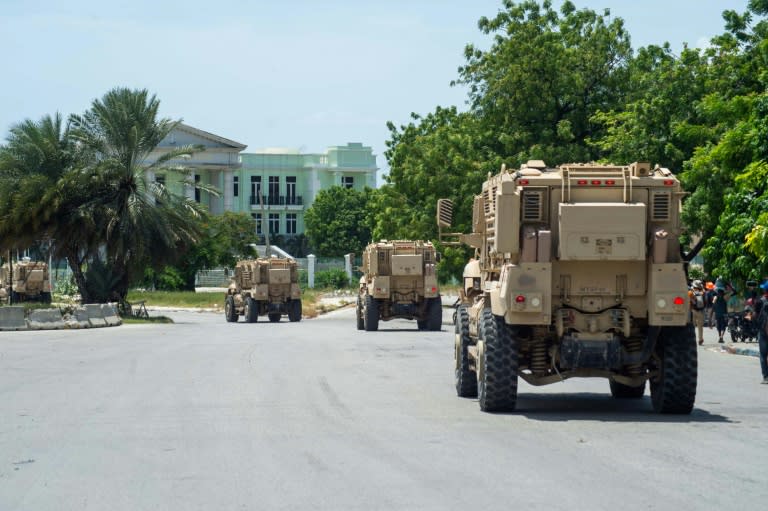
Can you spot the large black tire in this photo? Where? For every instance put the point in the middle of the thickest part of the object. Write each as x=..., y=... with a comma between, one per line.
x=434, y=314
x=251, y=310
x=371, y=314
x=621, y=391
x=15, y=297
x=294, y=310
x=230, y=313
x=673, y=388
x=359, y=314
x=497, y=382
x=274, y=317
x=45, y=297
x=466, y=379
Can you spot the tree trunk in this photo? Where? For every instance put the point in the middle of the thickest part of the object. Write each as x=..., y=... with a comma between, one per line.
x=77, y=272
x=687, y=257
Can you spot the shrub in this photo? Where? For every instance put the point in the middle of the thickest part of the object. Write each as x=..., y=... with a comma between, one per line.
x=334, y=279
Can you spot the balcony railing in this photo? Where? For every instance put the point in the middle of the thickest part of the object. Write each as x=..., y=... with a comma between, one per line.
x=277, y=200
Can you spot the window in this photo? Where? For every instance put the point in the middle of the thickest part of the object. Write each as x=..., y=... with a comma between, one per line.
x=255, y=189
x=274, y=223
x=290, y=190
x=347, y=181
x=274, y=189
x=290, y=223
x=236, y=186
x=197, y=189
x=160, y=179
x=257, y=218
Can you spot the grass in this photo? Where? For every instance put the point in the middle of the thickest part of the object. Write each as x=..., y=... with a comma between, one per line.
x=177, y=299
x=215, y=300
x=142, y=321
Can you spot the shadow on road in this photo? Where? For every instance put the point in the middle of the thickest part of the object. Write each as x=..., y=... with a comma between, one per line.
x=396, y=330
x=602, y=407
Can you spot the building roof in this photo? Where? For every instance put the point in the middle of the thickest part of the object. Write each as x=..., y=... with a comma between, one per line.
x=211, y=136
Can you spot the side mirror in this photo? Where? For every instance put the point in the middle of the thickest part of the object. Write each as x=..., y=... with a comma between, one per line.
x=444, y=212
x=438, y=257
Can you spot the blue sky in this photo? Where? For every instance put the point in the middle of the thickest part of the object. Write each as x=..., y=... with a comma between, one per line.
x=291, y=73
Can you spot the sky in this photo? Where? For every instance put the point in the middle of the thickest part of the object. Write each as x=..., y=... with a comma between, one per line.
x=299, y=74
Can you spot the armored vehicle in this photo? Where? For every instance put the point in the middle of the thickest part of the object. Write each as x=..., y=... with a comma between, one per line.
x=399, y=281
x=577, y=273
x=25, y=280
x=264, y=287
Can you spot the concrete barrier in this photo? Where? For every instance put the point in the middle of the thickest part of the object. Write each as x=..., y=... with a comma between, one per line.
x=78, y=319
x=95, y=314
x=45, y=319
x=12, y=318
x=110, y=314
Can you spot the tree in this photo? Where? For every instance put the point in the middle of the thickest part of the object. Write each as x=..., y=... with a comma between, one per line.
x=723, y=175
x=657, y=123
x=338, y=221
x=440, y=155
x=36, y=156
x=41, y=196
x=136, y=222
x=544, y=77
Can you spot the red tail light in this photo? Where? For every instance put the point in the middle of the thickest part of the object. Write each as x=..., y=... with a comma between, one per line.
x=520, y=299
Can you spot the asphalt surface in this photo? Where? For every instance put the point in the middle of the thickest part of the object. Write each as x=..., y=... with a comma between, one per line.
x=204, y=414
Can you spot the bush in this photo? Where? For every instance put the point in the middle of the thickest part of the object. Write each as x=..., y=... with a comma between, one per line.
x=334, y=279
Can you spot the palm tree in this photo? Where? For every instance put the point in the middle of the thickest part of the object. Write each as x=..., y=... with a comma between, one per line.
x=35, y=157
x=138, y=221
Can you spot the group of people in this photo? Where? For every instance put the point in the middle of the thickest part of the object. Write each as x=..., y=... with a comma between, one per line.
x=712, y=302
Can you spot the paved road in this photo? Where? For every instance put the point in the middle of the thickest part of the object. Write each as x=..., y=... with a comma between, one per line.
x=207, y=415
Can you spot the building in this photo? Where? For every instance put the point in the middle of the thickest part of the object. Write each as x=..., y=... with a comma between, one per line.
x=274, y=186
x=214, y=166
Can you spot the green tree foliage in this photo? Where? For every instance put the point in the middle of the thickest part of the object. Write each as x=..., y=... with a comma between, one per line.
x=339, y=222
x=436, y=156
x=657, y=123
x=544, y=77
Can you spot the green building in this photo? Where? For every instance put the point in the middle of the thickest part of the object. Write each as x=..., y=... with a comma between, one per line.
x=274, y=186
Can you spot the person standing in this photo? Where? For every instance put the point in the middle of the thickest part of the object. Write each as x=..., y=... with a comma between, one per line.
x=698, y=304
x=709, y=298
x=720, y=311
x=761, y=313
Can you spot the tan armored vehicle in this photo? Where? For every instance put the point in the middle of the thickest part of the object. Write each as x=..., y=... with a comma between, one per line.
x=399, y=281
x=577, y=273
x=25, y=280
x=264, y=287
